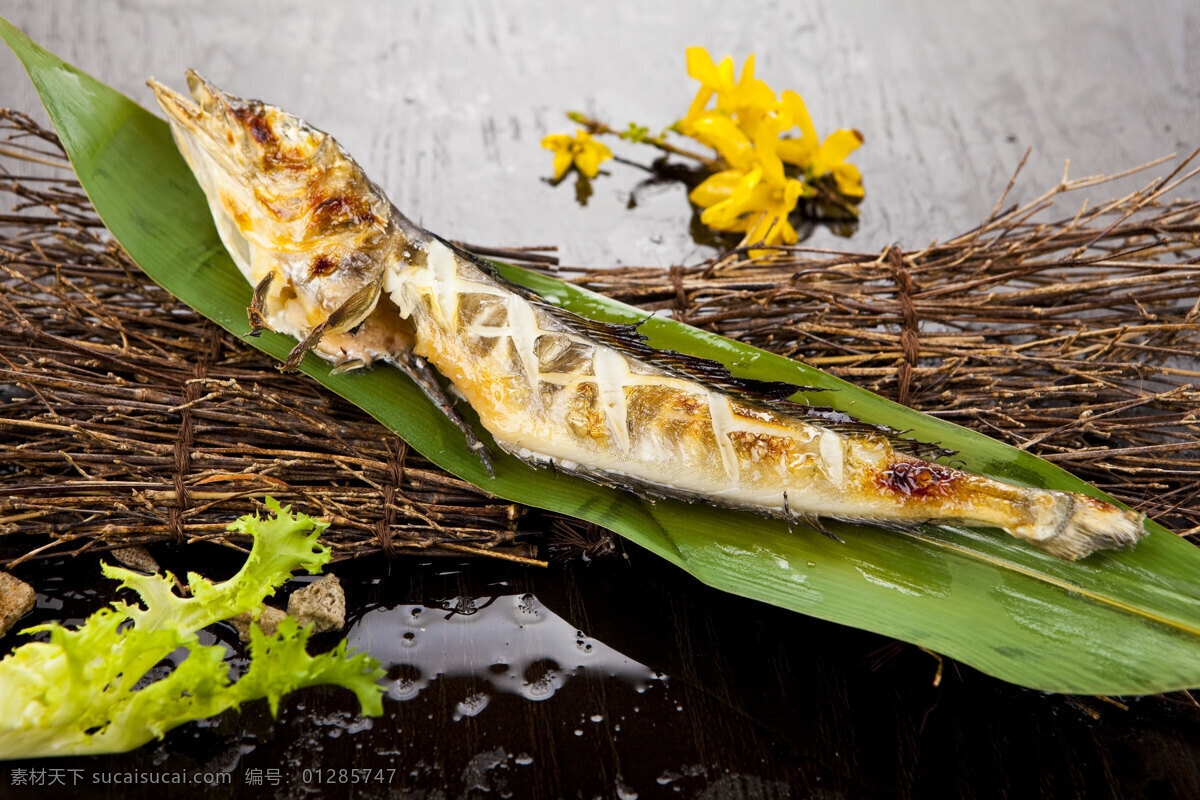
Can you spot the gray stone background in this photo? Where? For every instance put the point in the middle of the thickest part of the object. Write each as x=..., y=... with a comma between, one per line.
x=445, y=103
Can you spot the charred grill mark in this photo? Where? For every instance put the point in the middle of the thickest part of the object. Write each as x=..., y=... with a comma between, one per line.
x=261, y=131
x=345, y=209
x=252, y=117
x=322, y=266
x=756, y=447
x=1095, y=503
x=916, y=479
x=274, y=154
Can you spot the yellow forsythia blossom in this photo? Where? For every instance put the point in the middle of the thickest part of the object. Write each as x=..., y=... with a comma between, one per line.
x=583, y=151
x=746, y=125
x=768, y=153
x=743, y=100
x=831, y=158
x=821, y=158
x=756, y=201
x=750, y=203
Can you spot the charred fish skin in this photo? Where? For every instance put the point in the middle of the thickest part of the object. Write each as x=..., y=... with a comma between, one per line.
x=335, y=265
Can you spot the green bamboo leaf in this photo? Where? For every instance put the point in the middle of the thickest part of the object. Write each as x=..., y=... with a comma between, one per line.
x=1116, y=623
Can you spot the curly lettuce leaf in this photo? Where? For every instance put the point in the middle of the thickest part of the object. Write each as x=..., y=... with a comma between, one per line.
x=84, y=691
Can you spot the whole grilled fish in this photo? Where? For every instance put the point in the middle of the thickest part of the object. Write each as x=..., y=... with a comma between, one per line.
x=334, y=264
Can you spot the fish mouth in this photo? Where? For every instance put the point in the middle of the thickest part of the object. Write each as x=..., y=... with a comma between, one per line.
x=182, y=110
x=215, y=121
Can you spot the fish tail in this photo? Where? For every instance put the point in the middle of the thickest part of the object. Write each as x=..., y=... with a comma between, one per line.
x=1077, y=525
x=1064, y=524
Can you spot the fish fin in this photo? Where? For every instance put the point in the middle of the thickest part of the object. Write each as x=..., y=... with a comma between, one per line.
x=814, y=522
x=348, y=366
x=423, y=375
x=347, y=315
x=258, y=322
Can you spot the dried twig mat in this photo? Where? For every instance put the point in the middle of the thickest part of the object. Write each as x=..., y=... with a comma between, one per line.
x=130, y=419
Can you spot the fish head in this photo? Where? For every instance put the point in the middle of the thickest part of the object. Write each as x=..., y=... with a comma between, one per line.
x=288, y=201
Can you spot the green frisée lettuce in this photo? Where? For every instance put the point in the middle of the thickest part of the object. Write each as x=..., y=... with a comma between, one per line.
x=86, y=690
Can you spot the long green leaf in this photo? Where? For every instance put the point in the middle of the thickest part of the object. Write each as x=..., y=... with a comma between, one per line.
x=1116, y=623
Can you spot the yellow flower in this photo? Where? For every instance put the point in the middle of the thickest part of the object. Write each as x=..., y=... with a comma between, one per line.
x=746, y=100
x=719, y=132
x=713, y=79
x=716, y=188
x=798, y=151
x=583, y=151
x=831, y=158
x=734, y=194
x=820, y=158
x=755, y=196
x=752, y=203
x=772, y=226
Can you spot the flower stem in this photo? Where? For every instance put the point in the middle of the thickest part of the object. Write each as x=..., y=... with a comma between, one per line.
x=595, y=126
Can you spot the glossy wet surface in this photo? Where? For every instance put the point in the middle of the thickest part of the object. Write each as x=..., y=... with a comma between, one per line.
x=623, y=677
x=445, y=108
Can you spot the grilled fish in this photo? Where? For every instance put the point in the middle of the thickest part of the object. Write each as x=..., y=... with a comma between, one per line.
x=335, y=265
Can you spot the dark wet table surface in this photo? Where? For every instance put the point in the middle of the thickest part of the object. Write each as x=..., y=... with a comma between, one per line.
x=620, y=678
x=623, y=677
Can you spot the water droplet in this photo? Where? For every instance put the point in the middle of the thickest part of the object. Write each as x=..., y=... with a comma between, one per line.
x=471, y=706
x=515, y=645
